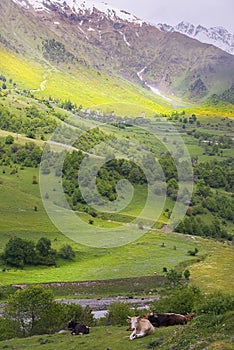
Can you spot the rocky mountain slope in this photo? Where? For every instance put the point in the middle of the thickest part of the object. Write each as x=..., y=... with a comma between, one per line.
x=217, y=36
x=67, y=33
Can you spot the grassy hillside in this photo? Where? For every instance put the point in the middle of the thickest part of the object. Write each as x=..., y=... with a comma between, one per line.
x=117, y=338
x=19, y=218
x=89, y=88
x=19, y=196
x=82, y=85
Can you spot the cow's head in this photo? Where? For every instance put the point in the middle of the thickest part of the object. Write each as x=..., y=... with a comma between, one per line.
x=86, y=331
x=71, y=324
x=133, y=321
x=190, y=316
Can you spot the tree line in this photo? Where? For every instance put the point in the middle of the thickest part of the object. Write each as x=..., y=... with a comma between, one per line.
x=29, y=121
x=28, y=155
x=20, y=252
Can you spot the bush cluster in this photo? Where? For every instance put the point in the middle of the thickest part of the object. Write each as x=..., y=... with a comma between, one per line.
x=34, y=311
x=19, y=252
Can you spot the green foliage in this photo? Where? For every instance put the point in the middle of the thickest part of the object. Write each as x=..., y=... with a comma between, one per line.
x=90, y=139
x=108, y=176
x=43, y=246
x=193, y=252
x=55, y=51
x=66, y=252
x=172, y=188
x=27, y=155
x=173, y=278
x=186, y=274
x=68, y=105
x=5, y=291
x=226, y=96
x=182, y=300
x=9, y=140
x=27, y=306
x=47, y=255
x=216, y=304
x=9, y=329
x=58, y=315
x=154, y=343
x=118, y=313
x=196, y=226
x=33, y=311
x=19, y=252
x=214, y=174
x=28, y=121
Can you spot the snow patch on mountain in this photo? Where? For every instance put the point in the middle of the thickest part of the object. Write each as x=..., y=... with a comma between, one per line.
x=125, y=39
x=217, y=36
x=21, y=3
x=81, y=6
x=140, y=74
x=151, y=87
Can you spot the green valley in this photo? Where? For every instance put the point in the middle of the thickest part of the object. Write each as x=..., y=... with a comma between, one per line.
x=116, y=180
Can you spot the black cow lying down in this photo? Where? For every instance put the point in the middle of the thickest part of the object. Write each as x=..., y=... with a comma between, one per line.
x=165, y=320
x=78, y=328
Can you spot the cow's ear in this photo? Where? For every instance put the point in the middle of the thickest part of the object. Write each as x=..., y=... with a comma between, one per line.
x=138, y=317
x=129, y=319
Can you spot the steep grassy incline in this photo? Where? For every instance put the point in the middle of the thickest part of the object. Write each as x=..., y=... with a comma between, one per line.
x=83, y=86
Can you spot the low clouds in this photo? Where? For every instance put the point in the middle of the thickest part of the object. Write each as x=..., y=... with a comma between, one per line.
x=205, y=12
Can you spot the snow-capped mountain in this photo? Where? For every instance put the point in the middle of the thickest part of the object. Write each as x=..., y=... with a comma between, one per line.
x=79, y=7
x=75, y=34
x=217, y=36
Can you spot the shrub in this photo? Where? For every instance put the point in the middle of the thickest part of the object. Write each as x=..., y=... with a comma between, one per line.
x=181, y=300
x=193, y=252
x=216, y=304
x=9, y=140
x=8, y=329
x=66, y=252
x=118, y=313
x=186, y=274
x=173, y=278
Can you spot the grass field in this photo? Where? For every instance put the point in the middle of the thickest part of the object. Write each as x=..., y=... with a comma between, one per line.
x=209, y=273
x=140, y=258
x=19, y=197
x=117, y=338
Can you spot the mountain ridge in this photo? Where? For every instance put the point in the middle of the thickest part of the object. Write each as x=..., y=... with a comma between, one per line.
x=78, y=7
x=217, y=36
x=172, y=65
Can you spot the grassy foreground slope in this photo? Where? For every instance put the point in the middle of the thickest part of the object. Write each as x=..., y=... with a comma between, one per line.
x=117, y=338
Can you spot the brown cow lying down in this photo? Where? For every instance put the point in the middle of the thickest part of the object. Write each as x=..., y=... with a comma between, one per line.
x=140, y=327
x=167, y=319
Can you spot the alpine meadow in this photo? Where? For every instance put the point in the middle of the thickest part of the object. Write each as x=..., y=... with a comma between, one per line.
x=116, y=180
